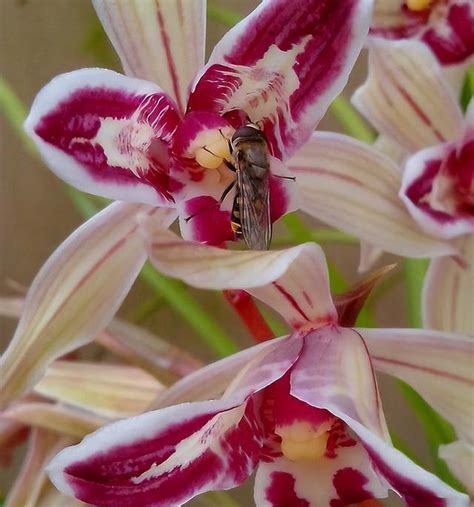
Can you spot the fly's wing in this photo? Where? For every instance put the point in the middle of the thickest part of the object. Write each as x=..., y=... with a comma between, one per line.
x=254, y=206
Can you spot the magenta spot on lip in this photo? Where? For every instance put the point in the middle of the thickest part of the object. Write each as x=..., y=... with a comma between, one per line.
x=349, y=484
x=210, y=225
x=281, y=491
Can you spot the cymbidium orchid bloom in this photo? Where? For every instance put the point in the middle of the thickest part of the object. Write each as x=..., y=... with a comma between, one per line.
x=444, y=25
x=159, y=136
x=409, y=101
x=302, y=410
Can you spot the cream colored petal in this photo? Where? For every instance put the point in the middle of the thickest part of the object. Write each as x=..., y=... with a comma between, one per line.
x=448, y=292
x=406, y=96
x=108, y=390
x=460, y=458
x=354, y=188
x=159, y=40
x=76, y=293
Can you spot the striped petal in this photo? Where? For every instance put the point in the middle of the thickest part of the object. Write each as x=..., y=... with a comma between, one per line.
x=345, y=385
x=108, y=390
x=283, y=65
x=293, y=281
x=162, y=458
x=57, y=418
x=162, y=41
x=447, y=292
x=406, y=96
x=106, y=134
x=439, y=365
x=460, y=458
x=354, y=187
x=76, y=293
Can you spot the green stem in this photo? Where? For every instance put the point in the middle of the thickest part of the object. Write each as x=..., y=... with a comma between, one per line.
x=223, y=15
x=467, y=90
x=351, y=120
x=144, y=310
x=319, y=236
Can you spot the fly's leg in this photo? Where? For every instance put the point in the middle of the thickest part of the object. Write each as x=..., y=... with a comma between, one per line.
x=292, y=178
x=221, y=200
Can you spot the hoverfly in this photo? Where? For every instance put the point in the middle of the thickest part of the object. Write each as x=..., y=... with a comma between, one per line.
x=250, y=218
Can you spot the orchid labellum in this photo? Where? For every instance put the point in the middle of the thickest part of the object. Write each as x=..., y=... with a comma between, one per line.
x=302, y=410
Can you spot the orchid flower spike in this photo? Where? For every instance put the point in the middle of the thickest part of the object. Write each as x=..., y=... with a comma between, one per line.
x=303, y=410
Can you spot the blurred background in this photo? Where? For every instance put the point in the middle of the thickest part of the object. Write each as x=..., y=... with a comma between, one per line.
x=42, y=38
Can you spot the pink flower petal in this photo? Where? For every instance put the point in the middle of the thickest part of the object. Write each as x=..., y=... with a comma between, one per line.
x=106, y=133
x=436, y=189
x=343, y=382
x=344, y=477
x=354, y=187
x=76, y=293
x=211, y=381
x=447, y=292
x=293, y=281
x=283, y=65
x=460, y=458
x=406, y=96
x=162, y=458
x=437, y=364
x=446, y=27
x=161, y=41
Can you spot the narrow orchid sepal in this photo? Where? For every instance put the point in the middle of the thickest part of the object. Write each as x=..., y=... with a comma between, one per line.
x=108, y=390
x=447, y=292
x=283, y=65
x=298, y=290
x=161, y=41
x=460, y=458
x=76, y=293
x=406, y=96
x=354, y=188
x=55, y=417
x=439, y=365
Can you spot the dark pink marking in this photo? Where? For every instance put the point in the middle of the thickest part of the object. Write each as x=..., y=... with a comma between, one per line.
x=457, y=45
x=78, y=118
x=281, y=491
x=349, y=485
x=338, y=437
x=415, y=494
x=291, y=300
x=106, y=479
x=278, y=197
x=169, y=57
x=210, y=225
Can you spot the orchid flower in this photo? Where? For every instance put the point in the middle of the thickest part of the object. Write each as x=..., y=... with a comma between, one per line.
x=158, y=137
x=302, y=410
x=443, y=25
x=437, y=182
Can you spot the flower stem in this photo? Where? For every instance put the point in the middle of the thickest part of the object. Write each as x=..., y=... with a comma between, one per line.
x=244, y=304
x=223, y=15
x=351, y=120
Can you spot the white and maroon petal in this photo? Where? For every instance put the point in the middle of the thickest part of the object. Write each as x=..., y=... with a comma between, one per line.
x=439, y=365
x=334, y=372
x=393, y=20
x=437, y=189
x=107, y=134
x=162, y=41
x=416, y=486
x=354, y=187
x=293, y=281
x=406, y=96
x=283, y=65
x=162, y=458
x=342, y=477
x=77, y=292
x=460, y=458
x=447, y=292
